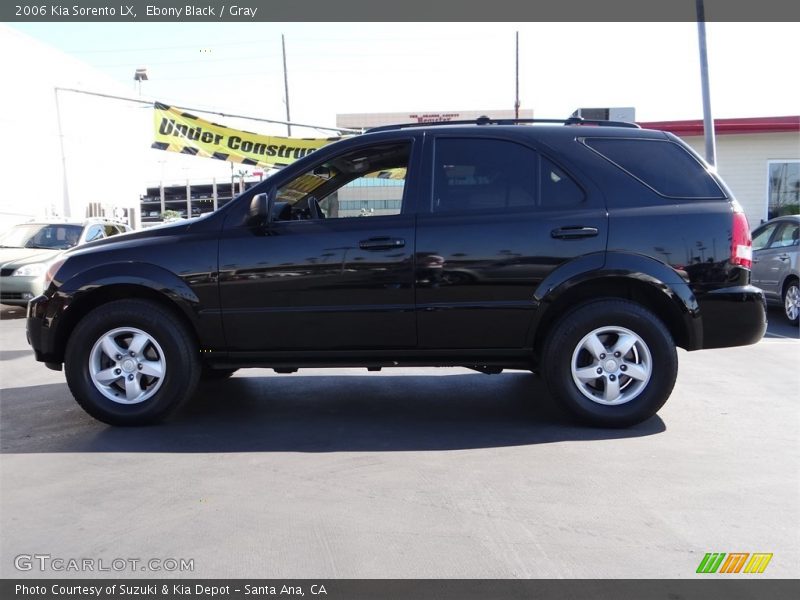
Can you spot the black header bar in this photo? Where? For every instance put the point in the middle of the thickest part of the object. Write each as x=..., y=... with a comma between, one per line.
x=177, y=11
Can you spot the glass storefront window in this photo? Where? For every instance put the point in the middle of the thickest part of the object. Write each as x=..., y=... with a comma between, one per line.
x=783, y=188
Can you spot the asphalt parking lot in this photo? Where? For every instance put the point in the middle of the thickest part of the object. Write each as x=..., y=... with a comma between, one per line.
x=409, y=473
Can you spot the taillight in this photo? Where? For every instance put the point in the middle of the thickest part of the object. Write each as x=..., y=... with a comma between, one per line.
x=741, y=243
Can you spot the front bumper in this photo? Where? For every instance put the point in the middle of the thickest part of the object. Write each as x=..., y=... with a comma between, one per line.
x=733, y=316
x=18, y=291
x=44, y=314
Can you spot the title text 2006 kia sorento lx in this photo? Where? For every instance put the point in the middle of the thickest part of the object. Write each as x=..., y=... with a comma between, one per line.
x=584, y=253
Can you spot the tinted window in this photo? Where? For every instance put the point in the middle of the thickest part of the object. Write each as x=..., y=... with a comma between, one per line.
x=558, y=188
x=366, y=182
x=481, y=174
x=664, y=166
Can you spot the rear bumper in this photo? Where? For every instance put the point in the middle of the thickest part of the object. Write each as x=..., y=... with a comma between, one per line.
x=733, y=316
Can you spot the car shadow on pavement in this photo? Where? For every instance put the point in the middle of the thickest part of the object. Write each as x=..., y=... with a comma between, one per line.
x=313, y=414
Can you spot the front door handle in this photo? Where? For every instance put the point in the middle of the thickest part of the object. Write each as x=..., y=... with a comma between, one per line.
x=573, y=233
x=381, y=243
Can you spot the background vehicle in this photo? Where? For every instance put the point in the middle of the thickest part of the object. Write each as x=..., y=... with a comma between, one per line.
x=584, y=253
x=776, y=245
x=26, y=251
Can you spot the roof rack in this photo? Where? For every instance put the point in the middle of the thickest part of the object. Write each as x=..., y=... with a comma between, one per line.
x=490, y=121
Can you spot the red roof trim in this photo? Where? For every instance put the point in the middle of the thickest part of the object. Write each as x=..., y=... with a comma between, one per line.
x=729, y=126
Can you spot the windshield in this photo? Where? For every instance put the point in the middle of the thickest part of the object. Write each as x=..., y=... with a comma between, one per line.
x=54, y=236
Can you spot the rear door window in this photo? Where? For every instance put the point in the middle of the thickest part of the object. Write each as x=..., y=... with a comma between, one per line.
x=480, y=174
x=662, y=165
x=483, y=175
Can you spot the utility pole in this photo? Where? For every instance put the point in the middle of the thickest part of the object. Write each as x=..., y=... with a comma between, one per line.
x=66, y=206
x=708, y=121
x=516, y=102
x=286, y=87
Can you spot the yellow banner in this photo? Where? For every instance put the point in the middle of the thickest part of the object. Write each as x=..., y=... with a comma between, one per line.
x=178, y=131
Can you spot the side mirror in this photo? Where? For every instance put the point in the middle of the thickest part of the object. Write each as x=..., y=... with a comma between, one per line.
x=258, y=210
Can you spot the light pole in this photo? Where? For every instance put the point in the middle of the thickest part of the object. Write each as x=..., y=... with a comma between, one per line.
x=286, y=87
x=140, y=75
x=708, y=121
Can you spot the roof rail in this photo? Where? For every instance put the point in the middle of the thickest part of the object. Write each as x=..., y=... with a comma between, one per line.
x=490, y=121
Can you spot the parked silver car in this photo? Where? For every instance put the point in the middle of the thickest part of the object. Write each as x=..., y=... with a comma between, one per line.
x=26, y=251
x=775, y=264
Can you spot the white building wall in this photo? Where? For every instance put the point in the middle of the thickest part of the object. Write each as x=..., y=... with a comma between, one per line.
x=105, y=141
x=742, y=161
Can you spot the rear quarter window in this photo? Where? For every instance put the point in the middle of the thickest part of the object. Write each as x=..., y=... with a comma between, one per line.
x=664, y=166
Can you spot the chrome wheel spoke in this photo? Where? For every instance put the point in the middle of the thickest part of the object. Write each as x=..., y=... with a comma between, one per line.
x=132, y=388
x=637, y=372
x=624, y=344
x=138, y=343
x=612, y=390
x=110, y=347
x=594, y=346
x=587, y=373
x=107, y=376
x=152, y=368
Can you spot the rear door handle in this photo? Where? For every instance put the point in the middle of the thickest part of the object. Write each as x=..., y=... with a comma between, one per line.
x=381, y=243
x=573, y=233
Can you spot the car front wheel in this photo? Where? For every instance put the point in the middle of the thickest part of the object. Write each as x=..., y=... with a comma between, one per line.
x=131, y=362
x=612, y=363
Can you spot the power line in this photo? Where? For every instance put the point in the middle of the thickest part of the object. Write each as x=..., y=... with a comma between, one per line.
x=147, y=48
x=206, y=111
x=249, y=57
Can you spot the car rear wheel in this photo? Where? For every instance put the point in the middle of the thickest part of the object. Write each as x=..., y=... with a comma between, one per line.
x=131, y=362
x=791, y=302
x=612, y=363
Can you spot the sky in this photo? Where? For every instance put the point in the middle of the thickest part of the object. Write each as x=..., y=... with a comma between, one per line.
x=372, y=67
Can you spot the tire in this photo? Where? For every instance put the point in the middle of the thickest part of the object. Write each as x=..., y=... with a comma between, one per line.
x=136, y=341
x=209, y=374
x=631, y=387
x=791, y=302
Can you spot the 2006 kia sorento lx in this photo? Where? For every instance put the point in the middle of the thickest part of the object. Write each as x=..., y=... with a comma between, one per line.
x=585, y=253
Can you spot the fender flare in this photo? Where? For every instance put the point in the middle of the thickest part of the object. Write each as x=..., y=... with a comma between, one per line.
x=636, y=268
x=140, y=274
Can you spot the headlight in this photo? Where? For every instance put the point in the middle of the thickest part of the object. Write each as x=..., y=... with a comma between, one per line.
x=34, y=270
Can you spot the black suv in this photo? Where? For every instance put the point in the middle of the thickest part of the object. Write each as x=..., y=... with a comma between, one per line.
x=584, y=251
